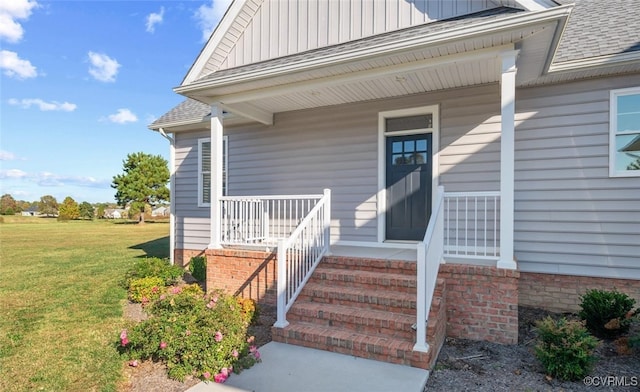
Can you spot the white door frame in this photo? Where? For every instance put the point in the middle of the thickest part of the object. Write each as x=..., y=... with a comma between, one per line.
x=434, y=110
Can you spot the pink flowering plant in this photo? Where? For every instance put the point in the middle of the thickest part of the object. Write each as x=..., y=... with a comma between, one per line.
x=198, y=335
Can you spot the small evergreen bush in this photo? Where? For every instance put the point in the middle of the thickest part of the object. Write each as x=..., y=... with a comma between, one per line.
x=608, y=314
x=203, y=336
x=198, y=268
x=146, y=289
x=565, y=348
x=154, y=266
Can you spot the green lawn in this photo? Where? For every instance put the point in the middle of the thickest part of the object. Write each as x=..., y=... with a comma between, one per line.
x=61, y=303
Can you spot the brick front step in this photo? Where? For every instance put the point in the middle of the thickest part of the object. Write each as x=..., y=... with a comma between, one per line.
x=372, y=322
x=367, y=280
x=377, y=265
x=354, y=296
x=391, y=350
x=365, y=308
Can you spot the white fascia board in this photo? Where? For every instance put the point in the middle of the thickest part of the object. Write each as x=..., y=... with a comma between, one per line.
x=174, y=124
x=439, y=38
x=213, y=42
x=595, y=62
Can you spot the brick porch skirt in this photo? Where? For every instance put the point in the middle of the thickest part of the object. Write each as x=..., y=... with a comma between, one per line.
x=561, y=293
x=482, y=302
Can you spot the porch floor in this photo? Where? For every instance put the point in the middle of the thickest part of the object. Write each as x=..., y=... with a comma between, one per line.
x=403, y=252
x=286, y=367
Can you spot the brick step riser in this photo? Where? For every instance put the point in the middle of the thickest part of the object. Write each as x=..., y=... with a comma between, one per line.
x=373, y=327
x=403, y=355
x=365, y=283
x=346, y=346
x=382, y=266
x=373, y=303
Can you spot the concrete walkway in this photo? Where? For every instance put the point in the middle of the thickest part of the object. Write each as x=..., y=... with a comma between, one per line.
x=285, y=368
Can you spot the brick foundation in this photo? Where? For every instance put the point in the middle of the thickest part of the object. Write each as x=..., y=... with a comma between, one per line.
x=250, y=274
x=482, y=302
x=561, y=293
x=182, y=257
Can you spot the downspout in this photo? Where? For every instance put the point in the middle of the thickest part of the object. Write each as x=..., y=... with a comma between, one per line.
x=172, y=193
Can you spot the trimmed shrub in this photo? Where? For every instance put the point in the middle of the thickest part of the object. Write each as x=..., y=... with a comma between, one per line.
x=608, y=314
x=154, y=266
x=203, y=336
x=565, y=348
x=198, y=268
x=146, y=289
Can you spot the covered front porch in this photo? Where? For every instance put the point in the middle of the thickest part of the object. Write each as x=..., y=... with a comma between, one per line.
x=289, y=119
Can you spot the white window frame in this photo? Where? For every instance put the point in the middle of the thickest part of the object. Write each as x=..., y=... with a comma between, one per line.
x=434, y=110
x=613, y=126
x=225, y=158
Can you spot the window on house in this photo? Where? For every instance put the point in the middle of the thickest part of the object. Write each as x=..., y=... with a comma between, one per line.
x=204, y=170
x=624, y=137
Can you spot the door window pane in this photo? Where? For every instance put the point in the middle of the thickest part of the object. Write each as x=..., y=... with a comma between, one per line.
x=409, y=146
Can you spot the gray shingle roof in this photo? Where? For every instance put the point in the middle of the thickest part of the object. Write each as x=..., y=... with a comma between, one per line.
x=188, y=110
x=600, y=27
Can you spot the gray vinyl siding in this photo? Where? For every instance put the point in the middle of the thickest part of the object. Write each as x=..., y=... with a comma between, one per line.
x=336, y=147
x=571, y=218
x=192, y=222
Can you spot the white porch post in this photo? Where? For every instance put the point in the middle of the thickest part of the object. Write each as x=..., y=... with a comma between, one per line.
x=216, y=174
x=507, y=158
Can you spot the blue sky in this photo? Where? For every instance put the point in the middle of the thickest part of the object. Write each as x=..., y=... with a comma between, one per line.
x=81, y=80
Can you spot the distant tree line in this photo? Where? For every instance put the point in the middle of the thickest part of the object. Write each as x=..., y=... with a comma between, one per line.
x=141, y=186
x=49, y=206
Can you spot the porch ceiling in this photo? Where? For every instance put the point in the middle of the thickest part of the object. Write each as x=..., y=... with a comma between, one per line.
x=419, y=64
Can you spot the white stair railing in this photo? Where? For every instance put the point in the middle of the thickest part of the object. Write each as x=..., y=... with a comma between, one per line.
x=299, y=255
x=430, y=253
x=262, y=220
x=472, y=225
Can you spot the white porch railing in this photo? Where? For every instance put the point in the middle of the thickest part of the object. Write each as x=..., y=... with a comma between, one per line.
x=262, y=220
x=430, y=253
x=472, y=225
x=300, y=253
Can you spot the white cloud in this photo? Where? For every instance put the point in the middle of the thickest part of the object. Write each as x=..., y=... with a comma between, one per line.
x=122, y=117
x=103, y=67
x=208, y=16
x=7, y=156
x=43, y=105
x=153, y=19
x=10, y=12
x=13, y=173
x=16, y=67
x=51, y=179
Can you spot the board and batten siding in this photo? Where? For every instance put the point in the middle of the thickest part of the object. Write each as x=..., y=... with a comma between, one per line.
x=336, y=147
x=285, y=27
x=571, y=217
